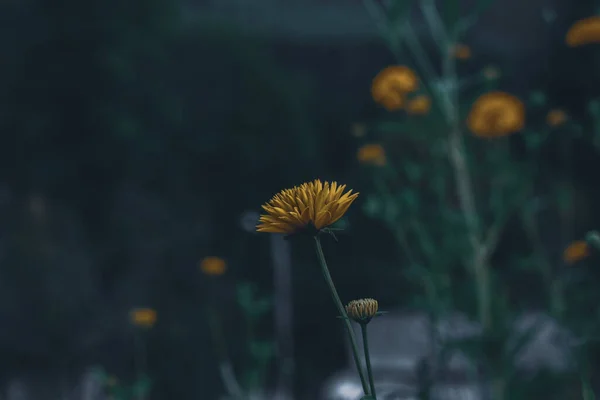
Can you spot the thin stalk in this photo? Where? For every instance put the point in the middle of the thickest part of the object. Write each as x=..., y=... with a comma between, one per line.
x=498, y=389
x=139, y=359
x=363, y=328
x=342, y=311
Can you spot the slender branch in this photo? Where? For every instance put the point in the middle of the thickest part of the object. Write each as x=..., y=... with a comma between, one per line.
x=342, y=311
x=231, y=383
x=363, y=328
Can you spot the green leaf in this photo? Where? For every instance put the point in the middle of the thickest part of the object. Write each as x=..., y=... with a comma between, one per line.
x=367, y=398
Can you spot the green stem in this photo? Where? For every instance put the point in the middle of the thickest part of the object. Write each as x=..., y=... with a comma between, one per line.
x=363, y=328
x=498, y=388
x=342, y=311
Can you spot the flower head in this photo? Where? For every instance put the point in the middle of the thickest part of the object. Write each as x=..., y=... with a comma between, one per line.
x=362, y=310
x=584, y=31
x=576, y=251
x=213, y=266
x=373, y=154
x=496, y=114
x=391, y=85
x=310, y=206
x=419, y=105
x=556, y=117
x=143, y=317
x=461, y=51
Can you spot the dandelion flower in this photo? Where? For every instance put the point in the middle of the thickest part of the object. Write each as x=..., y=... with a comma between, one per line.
x=213, y=266
x=576, y=251
x=373, y=154
x=556, y=117
x=496, y=114
x=420, y=105
x=461, y=51
x=391, y=85
x=311, y=206
x=362, y=310
x=143, y=317
x=584, y=31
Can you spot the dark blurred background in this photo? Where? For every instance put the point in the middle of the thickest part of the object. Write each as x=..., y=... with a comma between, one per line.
x=141, y=137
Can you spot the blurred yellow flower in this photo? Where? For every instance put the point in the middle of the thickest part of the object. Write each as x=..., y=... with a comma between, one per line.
x=143, y=317
x=373, y=154
x=393, y=101
x=419, y=105
x=496, y=114
x=392, y=84
x=556, y=117
x=311, y=206
x=213, y=266
x=576, y=251
x=461, y=51
x=584, y=31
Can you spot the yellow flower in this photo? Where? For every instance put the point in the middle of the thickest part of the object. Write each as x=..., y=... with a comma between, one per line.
x=213, y=266
x=584, y=31
x=556, y=117
x=362, y=310
x=373, y=154
x=461, y=51
x=393, y=102
x=391, y=85
x=143, y=317
x=576, y=251
x=496, y=114
x=310, y=206
x=420, y=105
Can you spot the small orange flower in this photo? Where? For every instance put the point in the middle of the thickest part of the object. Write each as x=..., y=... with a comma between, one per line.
x=373, y=154
x=391, y=85
x=420, y=105
x=556, y=117
x=576, y=251
x=584, y=31
x=143, y=317
x=213, y=266
x=393, y=101
x=461, y=51
x=496, y=114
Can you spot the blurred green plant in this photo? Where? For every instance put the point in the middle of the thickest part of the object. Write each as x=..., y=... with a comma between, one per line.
x=258, y=352
x=447, y=196
x=117, y=390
